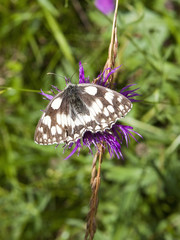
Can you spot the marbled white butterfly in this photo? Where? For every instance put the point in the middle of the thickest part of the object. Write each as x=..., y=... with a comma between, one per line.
x=77, y=109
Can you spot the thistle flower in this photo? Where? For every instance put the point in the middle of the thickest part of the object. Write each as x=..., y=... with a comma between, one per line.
x=112, y=137
x=105, y=6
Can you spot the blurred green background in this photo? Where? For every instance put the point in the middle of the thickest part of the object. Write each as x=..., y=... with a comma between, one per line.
x=43, y=197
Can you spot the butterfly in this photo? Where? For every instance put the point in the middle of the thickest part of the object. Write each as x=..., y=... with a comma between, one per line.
x=77, y=109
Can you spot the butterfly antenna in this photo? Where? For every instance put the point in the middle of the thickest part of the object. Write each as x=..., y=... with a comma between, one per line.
x=50, y=73
x=73, y=75
x=66, y=79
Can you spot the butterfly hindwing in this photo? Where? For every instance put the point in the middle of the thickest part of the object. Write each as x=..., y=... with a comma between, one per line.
x=77, y=109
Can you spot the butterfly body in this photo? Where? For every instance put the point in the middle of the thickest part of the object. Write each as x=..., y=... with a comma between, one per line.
x=72, y=95
x=77, y=109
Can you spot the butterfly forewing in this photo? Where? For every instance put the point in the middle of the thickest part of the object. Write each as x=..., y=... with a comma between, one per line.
x=80, y=108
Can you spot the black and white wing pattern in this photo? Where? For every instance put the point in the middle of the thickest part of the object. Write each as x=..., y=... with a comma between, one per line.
x=77, y=109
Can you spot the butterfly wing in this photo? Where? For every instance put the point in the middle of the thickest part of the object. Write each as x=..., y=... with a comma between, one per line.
x=50, y=128
x=64, y=119
x=80, y=108
x=105, y=106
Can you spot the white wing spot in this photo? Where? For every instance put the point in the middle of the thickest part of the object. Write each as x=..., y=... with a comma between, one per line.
x=103, y=120
x=104, y=125
x=108, y=90
x=69, y=138
x=56, y=103
x=45, y=136
x=77, y=122
x=92, y=114
x=97, y=128
x=72, y=125
x=47, y=121
x=126, y=107
x=106, y=112
x=43, y=114
x=99, y=103
x=120, y=99
x=53, y=130
x=87, y=118
x=64, y=120
x=58, y=118
x=121, y=107
x=109, y=97
x=76, y=136
x=59, y=130
x=40, y=129
x=110, y=108
x=82, y=129
x=95, y=108
x=68, y=119
x=91, y=90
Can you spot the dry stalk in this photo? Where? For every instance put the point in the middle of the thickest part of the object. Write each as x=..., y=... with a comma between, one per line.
x=113, y=47
x=95, y=174
x=95, y=184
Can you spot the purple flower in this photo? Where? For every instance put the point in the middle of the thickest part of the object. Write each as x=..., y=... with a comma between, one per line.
x=105, y=6
x=112, y=138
